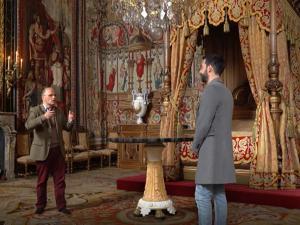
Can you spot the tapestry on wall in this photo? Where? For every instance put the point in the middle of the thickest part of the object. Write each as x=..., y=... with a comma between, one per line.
x=115, y=70
x=46, y=49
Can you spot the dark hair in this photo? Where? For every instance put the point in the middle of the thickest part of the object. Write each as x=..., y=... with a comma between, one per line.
x=216, y=61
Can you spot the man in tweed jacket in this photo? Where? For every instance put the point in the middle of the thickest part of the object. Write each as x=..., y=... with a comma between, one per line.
x=47, y=149
x=213, y=143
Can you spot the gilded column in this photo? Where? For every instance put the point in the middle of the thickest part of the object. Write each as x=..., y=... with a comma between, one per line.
x=274, y=86
x=167, y=71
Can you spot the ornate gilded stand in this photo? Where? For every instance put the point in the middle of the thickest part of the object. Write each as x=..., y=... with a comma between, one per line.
x=155, y=195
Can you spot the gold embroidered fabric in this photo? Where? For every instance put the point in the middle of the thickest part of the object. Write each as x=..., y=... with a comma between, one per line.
x=289, y=136
x=294, y=87
x=291, y=22
x=243, y=150
x=214, y=10
x=183, y=48
x=255, y=51
x=241, y=10
x=264, y=168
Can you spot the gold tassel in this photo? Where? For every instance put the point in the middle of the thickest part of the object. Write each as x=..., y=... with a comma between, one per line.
x=203, y=51
x=254, y=128
x=246, y=18
x=226, y=24
x=292, y=39
x=179, y=130
x=288, y=35
x=186, y=29
x=206, y=28
x=290, y=129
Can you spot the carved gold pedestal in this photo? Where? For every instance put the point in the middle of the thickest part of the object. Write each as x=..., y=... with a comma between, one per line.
x=155, y=195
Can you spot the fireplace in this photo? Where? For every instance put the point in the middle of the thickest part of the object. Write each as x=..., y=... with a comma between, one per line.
x=7, y=145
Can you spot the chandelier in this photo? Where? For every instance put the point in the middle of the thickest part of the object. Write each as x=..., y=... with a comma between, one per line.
x=152, y=14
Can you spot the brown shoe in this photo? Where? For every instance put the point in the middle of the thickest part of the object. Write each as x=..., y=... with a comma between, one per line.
x=65, y=211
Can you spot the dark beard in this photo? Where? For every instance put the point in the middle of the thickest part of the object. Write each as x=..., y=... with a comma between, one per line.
x=204, y=77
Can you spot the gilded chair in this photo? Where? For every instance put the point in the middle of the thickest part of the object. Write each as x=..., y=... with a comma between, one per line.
x=81, y=151
x=23, y=151
x=110, y=150
x=68, y=150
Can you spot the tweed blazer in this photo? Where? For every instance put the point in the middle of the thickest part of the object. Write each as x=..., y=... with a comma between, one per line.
x=42, y=132
x=213, y=136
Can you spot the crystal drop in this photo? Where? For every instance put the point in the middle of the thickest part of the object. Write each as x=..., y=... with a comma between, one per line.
x=144, y=13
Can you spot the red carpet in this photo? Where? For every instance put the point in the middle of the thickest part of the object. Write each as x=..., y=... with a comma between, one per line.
x=234, y=192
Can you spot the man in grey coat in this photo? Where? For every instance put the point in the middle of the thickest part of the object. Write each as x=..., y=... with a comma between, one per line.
x=213, y=144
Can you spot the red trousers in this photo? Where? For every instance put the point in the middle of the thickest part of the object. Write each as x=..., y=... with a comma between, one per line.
x=54, y=165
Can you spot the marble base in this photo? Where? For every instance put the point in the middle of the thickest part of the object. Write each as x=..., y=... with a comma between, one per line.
x=145, y=207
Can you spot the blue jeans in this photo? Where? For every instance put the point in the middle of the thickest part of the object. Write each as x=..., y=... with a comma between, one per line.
x=204, y=194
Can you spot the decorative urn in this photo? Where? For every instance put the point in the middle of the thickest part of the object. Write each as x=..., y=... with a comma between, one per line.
x=140, y=103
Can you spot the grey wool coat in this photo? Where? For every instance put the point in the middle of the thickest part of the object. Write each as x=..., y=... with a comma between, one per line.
x=42, y=132
x=213, y=140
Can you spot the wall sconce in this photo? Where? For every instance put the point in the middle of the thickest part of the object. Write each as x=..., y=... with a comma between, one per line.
x=13, y=72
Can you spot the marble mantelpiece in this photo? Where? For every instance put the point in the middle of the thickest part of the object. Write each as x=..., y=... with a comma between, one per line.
x=7, y=124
